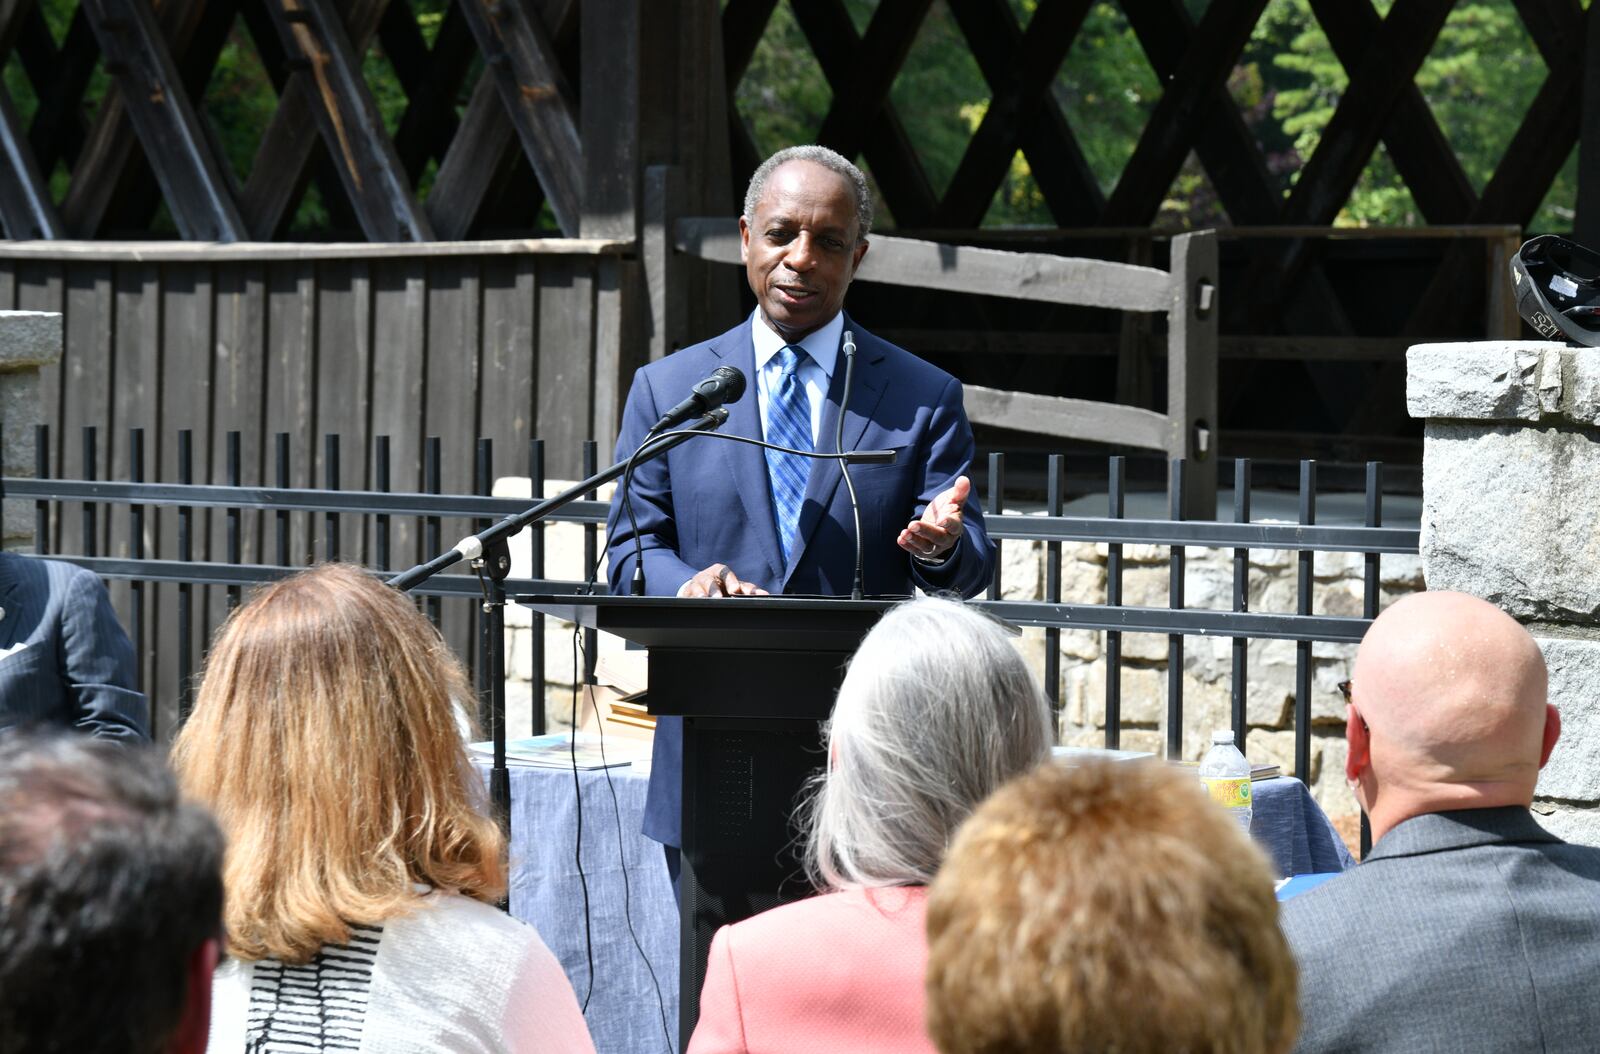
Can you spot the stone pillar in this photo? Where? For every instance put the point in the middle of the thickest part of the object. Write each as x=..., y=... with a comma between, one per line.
x=1511, y=513
x=28, y=340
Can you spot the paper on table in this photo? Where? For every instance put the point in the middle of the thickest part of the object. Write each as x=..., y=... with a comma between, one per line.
x=557, y=751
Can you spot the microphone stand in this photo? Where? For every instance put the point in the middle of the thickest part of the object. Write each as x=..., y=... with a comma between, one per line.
x=491, y=559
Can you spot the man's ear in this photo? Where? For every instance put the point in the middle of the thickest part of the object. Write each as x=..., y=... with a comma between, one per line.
x=860, y=251
x=1552, y=732
x=744, y=240
x=193, y=1033
x=1359, y=740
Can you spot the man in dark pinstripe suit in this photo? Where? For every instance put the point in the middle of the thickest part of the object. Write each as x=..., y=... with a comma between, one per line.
x=64, y=659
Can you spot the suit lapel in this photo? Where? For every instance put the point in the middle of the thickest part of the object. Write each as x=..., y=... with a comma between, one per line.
x=747, y=465
x=869, y=383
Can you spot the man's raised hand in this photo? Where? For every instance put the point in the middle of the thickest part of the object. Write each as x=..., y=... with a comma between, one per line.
x=940, y=526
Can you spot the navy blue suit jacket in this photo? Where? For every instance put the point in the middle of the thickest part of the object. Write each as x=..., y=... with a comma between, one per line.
x=64, y=659
x=709, y=500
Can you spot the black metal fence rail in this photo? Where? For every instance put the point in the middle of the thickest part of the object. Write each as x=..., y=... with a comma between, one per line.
x=371, y=541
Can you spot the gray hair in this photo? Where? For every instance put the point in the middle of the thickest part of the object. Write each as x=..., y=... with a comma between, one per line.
x=817, y=155
x=937, y=711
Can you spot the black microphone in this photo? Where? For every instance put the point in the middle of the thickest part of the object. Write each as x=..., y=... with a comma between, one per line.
x=857, y=584
x=725, y=385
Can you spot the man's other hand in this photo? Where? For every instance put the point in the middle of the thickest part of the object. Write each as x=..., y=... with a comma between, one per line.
x=718, y=580
x=940, y=526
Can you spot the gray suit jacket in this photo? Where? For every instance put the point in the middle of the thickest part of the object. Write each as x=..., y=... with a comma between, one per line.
x=64, y=659
x=1462, y=931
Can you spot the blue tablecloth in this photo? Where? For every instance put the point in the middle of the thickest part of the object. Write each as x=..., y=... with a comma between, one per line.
x=627, y=879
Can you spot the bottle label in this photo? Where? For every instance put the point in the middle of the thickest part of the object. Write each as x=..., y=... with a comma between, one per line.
x=1229, y=793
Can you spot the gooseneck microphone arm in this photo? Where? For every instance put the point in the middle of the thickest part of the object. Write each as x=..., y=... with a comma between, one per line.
x=858, y=584
x=472, y=546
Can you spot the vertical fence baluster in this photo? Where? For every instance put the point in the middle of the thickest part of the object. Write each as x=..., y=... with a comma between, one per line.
x=380, y=522
x=142, y=675
x=1302, y=652
x=432, y=455
x=1241, y=602
x=997, y=496
x=1175, y=558
x=591, y=554
x=280, y=458
x=185, y=589
x=536, y=571
x=483, y=483
x=41, y=508
x=1052, y=587
x=1115, y=492
x=1371, y=580
x=330, y=481
x=90, y=509
x=1370, y=573
x=235, y=515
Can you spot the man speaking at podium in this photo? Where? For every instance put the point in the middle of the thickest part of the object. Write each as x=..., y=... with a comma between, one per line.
x=723, y=518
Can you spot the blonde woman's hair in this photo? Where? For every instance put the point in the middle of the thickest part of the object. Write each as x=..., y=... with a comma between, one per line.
x=325, y=739
x=1107, y=907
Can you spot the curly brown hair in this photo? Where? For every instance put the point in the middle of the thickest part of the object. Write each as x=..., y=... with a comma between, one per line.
x=1107, y=907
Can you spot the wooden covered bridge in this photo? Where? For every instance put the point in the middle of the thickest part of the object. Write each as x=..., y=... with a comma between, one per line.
x=539, y=199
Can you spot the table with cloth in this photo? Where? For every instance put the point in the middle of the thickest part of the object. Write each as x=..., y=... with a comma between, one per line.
x=627, y=884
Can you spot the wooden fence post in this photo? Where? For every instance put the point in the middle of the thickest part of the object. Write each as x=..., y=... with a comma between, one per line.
x=663, y=268
x=1192, y=369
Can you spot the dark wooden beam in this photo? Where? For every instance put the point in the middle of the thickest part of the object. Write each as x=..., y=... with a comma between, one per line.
x=521, y=58
x=277, y=174
x=1586, y=224
x=1388, y=67
x=1020, y=93
x=432, y=81
x=476, y=166
x=1170, y=133
x=348, y=119
x=111, y=165
x=472, y=164
x=864, y=90
x=1224, y=144
x=59, y=79
x=743, y=23
x=26, y=210
x=1417, y=145
x=12, y=15
x=1551, y=24
x=190, y=174
x=888, y=150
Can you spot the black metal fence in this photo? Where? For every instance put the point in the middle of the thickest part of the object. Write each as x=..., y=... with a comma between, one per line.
x=215, y=539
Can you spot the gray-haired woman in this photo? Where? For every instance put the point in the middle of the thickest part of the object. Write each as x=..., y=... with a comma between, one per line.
x=937, y=711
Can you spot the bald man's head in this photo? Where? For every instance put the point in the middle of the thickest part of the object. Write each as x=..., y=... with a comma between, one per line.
x=1451, y=695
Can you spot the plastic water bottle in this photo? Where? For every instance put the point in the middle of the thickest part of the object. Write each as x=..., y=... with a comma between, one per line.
x=1226, y=776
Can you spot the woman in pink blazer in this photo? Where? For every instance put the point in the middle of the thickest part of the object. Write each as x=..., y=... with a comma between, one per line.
x=938, y=710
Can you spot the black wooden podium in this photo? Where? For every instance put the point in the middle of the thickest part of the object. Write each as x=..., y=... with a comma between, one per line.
x=752, y=677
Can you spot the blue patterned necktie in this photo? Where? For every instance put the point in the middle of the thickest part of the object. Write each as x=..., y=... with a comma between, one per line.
x=788, y=424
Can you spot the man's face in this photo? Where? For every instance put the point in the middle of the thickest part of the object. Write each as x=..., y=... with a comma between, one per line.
x=800, y=248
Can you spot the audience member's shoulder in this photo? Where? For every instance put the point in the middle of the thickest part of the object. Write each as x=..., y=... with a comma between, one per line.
x=469, y=922
x=845, y=913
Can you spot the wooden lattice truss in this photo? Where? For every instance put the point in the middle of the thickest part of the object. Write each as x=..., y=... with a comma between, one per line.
x=147, y=137
x=148, y=142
